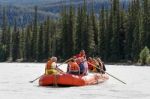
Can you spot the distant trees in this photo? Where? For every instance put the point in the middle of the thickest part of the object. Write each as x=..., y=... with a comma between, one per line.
x=115, y=34
x=5, y=34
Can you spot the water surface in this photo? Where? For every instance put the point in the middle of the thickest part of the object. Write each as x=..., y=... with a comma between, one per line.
x=15, y=77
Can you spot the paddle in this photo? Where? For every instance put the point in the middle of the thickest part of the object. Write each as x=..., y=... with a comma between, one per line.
x=64, y=62
x=36, y=79
x=107, y=73
x=56, y=69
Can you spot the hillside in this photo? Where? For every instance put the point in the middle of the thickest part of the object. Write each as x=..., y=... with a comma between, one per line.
x=23, y=15
x=23, y=10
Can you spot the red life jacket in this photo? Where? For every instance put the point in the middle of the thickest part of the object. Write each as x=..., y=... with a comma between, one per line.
x=73, y=67
x=91, y=67
x=79, y=60
x=49, y=64
x=80, y=55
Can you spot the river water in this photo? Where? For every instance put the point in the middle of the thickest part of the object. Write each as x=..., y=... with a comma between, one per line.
x=15, y=77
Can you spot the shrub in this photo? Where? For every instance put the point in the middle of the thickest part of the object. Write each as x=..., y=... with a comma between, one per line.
x=143, y=55
x=148, y=60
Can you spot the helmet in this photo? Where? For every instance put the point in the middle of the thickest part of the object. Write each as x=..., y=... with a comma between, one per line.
x=54, y=59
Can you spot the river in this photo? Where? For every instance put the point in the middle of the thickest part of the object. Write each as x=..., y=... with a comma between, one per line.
x=15, y=77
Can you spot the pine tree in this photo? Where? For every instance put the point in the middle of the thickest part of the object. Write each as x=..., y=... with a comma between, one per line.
x=84, y=25
x=146, y=22
x=46, y=31
x=129, y=35
x=4, y=27
x=90, y=37
x=40, y=40
x=22, y=44
x=108, y=35
x=102, y=33
x=71, y=32
x=136, y=31
x=78, y=40
x=59, y=44
x=5, y=36
x=81, y=30
x=34, y=36
x=64, y=31
x=15, y=42
x=54, y=38
x=122, y=33
x=28, y=43
x=115, y=56
x=10, y=45
x=95, y=29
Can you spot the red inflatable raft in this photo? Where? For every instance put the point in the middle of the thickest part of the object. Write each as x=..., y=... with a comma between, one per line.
x=72, y=80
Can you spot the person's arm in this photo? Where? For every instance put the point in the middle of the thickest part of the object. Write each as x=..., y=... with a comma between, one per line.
x=68, y=68
x=54, y=65
x=104, y=68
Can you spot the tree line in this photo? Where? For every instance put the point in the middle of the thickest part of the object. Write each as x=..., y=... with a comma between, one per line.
x=115, y=34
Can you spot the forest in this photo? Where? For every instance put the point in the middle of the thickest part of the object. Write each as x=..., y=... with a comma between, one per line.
x=116, y=34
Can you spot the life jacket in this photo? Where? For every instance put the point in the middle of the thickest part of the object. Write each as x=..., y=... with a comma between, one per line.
x=73, y=67
x=80, y=55
x=49, y=64
x=90, y=67
x=79, y=60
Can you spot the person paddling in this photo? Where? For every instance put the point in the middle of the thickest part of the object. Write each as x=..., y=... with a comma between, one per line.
x=81, y=61
x=93, y=62
x=81, y=54
x=51, y=66
x=90, y=60
x=73, y=67
x=101, y=65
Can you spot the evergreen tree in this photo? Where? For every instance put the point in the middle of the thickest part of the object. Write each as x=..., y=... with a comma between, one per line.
x=46, y=31
x=28, y=43
x=22, y=45
x=4, y=27
x=115, y=56
x=59, y=44
x=129, y=35
x=102, y=33
x=34, y=36
x=81, y=30
x=10, y=45
x=54, y=38
x=15, y=42
x=122, y=33
x=84, y=25
x=64, y=32
x=90, y=37
x=95, y=29
x=5, y=36
x=71, y=32
x=146, y=22
x=136, y=31
x=108, y=35
x=40, y=40
x=79, y=22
